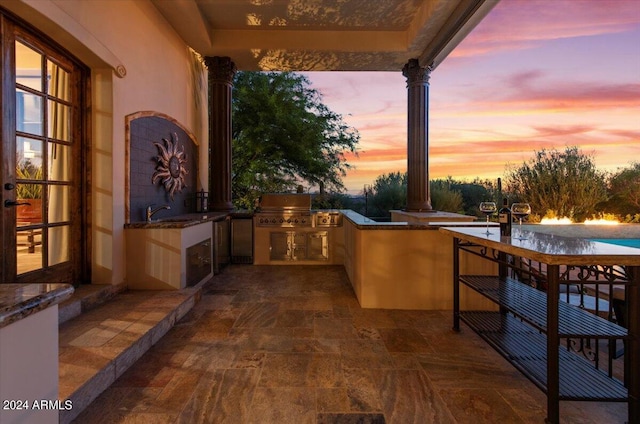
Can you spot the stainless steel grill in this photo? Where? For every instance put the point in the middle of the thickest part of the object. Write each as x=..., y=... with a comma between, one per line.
x=293, y=211
x=284, y=210
x=327, y=219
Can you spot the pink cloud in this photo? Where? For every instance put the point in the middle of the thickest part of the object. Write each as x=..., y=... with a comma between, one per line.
x=566, y=90
x=525, y=24
x=524, y=94
x=521, y=80
x=632, y=135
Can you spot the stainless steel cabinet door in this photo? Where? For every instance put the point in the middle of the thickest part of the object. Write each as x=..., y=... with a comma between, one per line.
x=298, y=246
x=279, y=246
x=318, y=246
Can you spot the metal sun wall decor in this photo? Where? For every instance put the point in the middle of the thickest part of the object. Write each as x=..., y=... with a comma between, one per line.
x=171, y=169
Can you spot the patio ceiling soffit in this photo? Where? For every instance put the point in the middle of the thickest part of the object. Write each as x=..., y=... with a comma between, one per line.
x=298, y=35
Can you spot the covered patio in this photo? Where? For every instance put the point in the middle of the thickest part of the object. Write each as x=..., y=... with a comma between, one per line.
x=254, y=343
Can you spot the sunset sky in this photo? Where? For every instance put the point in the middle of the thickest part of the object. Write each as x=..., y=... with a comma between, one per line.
x=534, y=74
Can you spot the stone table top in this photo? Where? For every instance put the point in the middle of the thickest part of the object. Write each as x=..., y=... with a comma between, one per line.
x=549, y=248
x=18, y=301
x=620, y=231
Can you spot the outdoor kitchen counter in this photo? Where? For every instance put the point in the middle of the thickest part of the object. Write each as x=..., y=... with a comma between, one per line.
x=18, y=301
x=435, y=221
x=180, y=221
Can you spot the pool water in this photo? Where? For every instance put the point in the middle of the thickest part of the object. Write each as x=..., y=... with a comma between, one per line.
x=621, y=242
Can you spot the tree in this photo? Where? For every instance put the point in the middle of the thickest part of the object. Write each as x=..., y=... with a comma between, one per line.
x=389, y=192
x=283, y=135
x=444, y=197
x=624, y=191
x=473, y=193
x=332, y=201
x=565, y=183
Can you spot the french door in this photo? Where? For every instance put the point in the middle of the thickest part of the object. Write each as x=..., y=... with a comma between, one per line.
x=42, y=160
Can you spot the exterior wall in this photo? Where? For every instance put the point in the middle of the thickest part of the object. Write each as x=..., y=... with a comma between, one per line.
x=138, y=63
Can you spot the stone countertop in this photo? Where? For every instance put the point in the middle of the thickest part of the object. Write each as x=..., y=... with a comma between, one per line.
x=363, y=223
x=549, y=248
x=241, y=214
x=18, y=301
x=433, y=216
x=180, y=221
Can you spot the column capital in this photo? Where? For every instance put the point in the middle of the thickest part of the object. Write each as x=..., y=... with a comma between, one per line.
x=415, y=73
x=221, y=68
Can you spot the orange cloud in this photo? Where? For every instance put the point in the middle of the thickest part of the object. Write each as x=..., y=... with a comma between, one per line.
x=378, y=155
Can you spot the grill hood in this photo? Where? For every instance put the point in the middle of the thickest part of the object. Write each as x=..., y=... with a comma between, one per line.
x=278, y=202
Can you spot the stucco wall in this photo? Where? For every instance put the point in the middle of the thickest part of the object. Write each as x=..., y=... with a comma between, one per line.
x=132, y=36
x=408, y=269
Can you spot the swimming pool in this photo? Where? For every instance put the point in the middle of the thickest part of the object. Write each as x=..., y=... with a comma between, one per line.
x=620, y=242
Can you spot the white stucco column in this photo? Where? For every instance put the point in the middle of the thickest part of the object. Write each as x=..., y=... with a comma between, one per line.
x=418, y=198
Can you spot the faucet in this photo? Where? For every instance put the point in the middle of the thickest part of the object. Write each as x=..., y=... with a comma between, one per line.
x=151, y=212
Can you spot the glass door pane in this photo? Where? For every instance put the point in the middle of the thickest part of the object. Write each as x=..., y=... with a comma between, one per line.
x=28, y=67
x=44, y=170
x=58, y=239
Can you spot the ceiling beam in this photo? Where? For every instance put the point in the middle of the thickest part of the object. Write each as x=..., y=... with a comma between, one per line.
x=187, y=20
x=467, y=15
x=352, y=41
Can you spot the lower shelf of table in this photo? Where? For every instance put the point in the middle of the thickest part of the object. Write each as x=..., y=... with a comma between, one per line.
x=531, y=304
x=526, y=349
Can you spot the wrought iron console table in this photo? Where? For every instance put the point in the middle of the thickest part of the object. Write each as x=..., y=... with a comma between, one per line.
x=543, y=327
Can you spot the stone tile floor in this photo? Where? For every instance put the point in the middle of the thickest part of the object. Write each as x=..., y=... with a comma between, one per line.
x=290, y=344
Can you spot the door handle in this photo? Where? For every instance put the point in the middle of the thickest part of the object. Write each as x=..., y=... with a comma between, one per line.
x=9, y=203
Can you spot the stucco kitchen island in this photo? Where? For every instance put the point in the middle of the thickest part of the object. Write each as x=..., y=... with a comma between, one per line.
x=406, y=265
x=29, y=352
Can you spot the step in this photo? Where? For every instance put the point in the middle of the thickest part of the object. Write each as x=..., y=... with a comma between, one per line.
x=99, y=345
x=86, y=297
